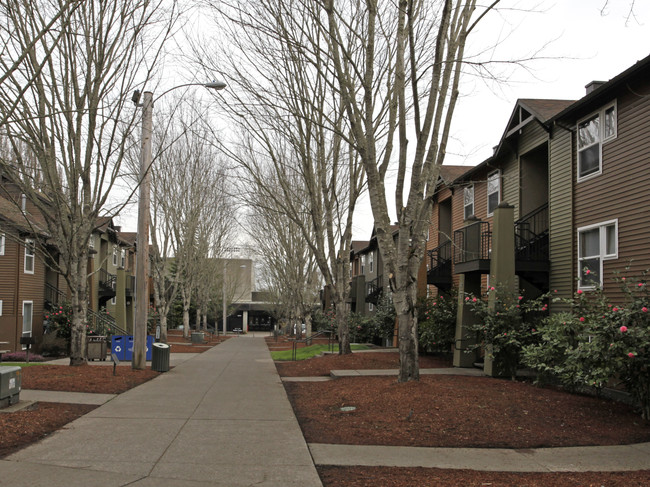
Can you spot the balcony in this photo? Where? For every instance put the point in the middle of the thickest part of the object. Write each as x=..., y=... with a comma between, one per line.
x=130, y=286
x=531, y=247
x=374, y=290
x=472, y=248
x=107, y=286
x=439, y=266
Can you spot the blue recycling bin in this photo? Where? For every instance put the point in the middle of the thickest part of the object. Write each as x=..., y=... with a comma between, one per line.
x=128, y=351
x=118, y=346
x=122, y=347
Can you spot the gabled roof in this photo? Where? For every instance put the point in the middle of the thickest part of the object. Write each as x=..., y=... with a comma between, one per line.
x=449, y=174
x=357, y=246
x=25, y=223
x=525, y=111
x=603, y=93
x=542, y=109
x=128, y=238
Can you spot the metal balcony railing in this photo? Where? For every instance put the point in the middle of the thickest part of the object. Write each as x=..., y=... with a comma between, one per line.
x=472, y=243
x=374, y=289
x=531, y=235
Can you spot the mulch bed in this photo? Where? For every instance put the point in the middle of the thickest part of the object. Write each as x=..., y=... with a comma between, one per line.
x=453, y=411
x=84, y=378
x=434, y=477
x=22, y=428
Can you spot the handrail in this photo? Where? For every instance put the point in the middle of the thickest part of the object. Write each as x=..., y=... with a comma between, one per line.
x=103, y=324
x=440, y=255
x=308, y=339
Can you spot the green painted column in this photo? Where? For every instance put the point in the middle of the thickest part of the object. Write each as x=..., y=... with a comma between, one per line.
x=467, y=284
x=502, y=264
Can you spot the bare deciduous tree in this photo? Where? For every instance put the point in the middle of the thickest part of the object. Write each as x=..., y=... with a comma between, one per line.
x=290, y=268
x=423, y=92
x=192, y=213
x=67, y=102
x=292, y=124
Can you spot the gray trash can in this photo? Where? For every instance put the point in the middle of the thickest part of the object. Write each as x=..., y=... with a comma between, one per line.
x=160, y=357
x=198, y=337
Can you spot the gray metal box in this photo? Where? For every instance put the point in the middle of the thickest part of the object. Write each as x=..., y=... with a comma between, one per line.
x=10, y=382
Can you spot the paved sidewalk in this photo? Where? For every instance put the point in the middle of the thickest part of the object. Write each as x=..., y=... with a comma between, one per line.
x=221, y=418
x=575, y=459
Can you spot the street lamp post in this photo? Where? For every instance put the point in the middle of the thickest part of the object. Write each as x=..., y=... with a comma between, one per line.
x=139, y=359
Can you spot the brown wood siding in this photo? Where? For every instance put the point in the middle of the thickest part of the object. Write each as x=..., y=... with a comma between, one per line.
x=8, y=264
x=621, y=191
x=560, y=215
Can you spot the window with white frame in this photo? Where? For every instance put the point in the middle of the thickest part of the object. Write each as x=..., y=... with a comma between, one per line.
x=123, y=259
x=468, y=201
x=115, y=256
x=114, y=300
x=28, y=312
x=371, y=261
x=29, y=256
x=370, y=307
x=2, y=244
x=593, y=131
x=596, y=243
x=363, y=263
x=493, y=191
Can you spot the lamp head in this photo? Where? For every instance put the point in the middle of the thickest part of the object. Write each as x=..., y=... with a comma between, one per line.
x=216, y=85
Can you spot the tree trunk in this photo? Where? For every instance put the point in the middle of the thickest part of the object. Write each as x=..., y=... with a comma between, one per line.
x=186, y=313
x=163, y=328
x=404, y=302
x=78, y=297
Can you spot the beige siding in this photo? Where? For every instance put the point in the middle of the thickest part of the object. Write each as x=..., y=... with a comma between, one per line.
x=510, y=182
x=560, y=214
x=532, y=137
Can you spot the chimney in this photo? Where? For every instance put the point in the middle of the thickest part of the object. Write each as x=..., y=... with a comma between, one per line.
x=594, y=85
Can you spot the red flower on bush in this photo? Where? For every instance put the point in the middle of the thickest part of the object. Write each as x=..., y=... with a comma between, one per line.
x=623, y=329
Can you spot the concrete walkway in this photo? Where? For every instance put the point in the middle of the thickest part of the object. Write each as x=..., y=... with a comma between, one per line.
x=221, y=418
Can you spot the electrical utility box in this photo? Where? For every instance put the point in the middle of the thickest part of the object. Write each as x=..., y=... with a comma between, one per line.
x=10, y=382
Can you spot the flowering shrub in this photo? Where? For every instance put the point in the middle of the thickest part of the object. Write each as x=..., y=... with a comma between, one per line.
x=608, y=342
x=22, y=357
x=59, y=320
x=506, y=329
x=437, y=323
x=375, y=327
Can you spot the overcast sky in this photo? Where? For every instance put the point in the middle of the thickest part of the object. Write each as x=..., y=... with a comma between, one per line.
x=582, y=45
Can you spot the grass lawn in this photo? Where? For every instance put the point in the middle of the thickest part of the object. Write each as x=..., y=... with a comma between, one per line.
x=309, y=352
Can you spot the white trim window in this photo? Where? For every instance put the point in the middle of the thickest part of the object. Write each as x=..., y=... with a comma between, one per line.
x=115, y=256
x=114, y=300
x=593, y=131
x=596, y=243
x=123, y=259
x=29, y=256
x=28, y=315
x=371, y=261
x=493, y=191
x=468, y=201
x=371, y=307
x=2, y=243
x=363, y=264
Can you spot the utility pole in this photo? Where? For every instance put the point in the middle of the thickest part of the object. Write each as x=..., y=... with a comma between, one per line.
x=139, y=360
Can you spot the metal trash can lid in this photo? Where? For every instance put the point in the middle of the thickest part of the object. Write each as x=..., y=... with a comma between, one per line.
x=160, y=345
